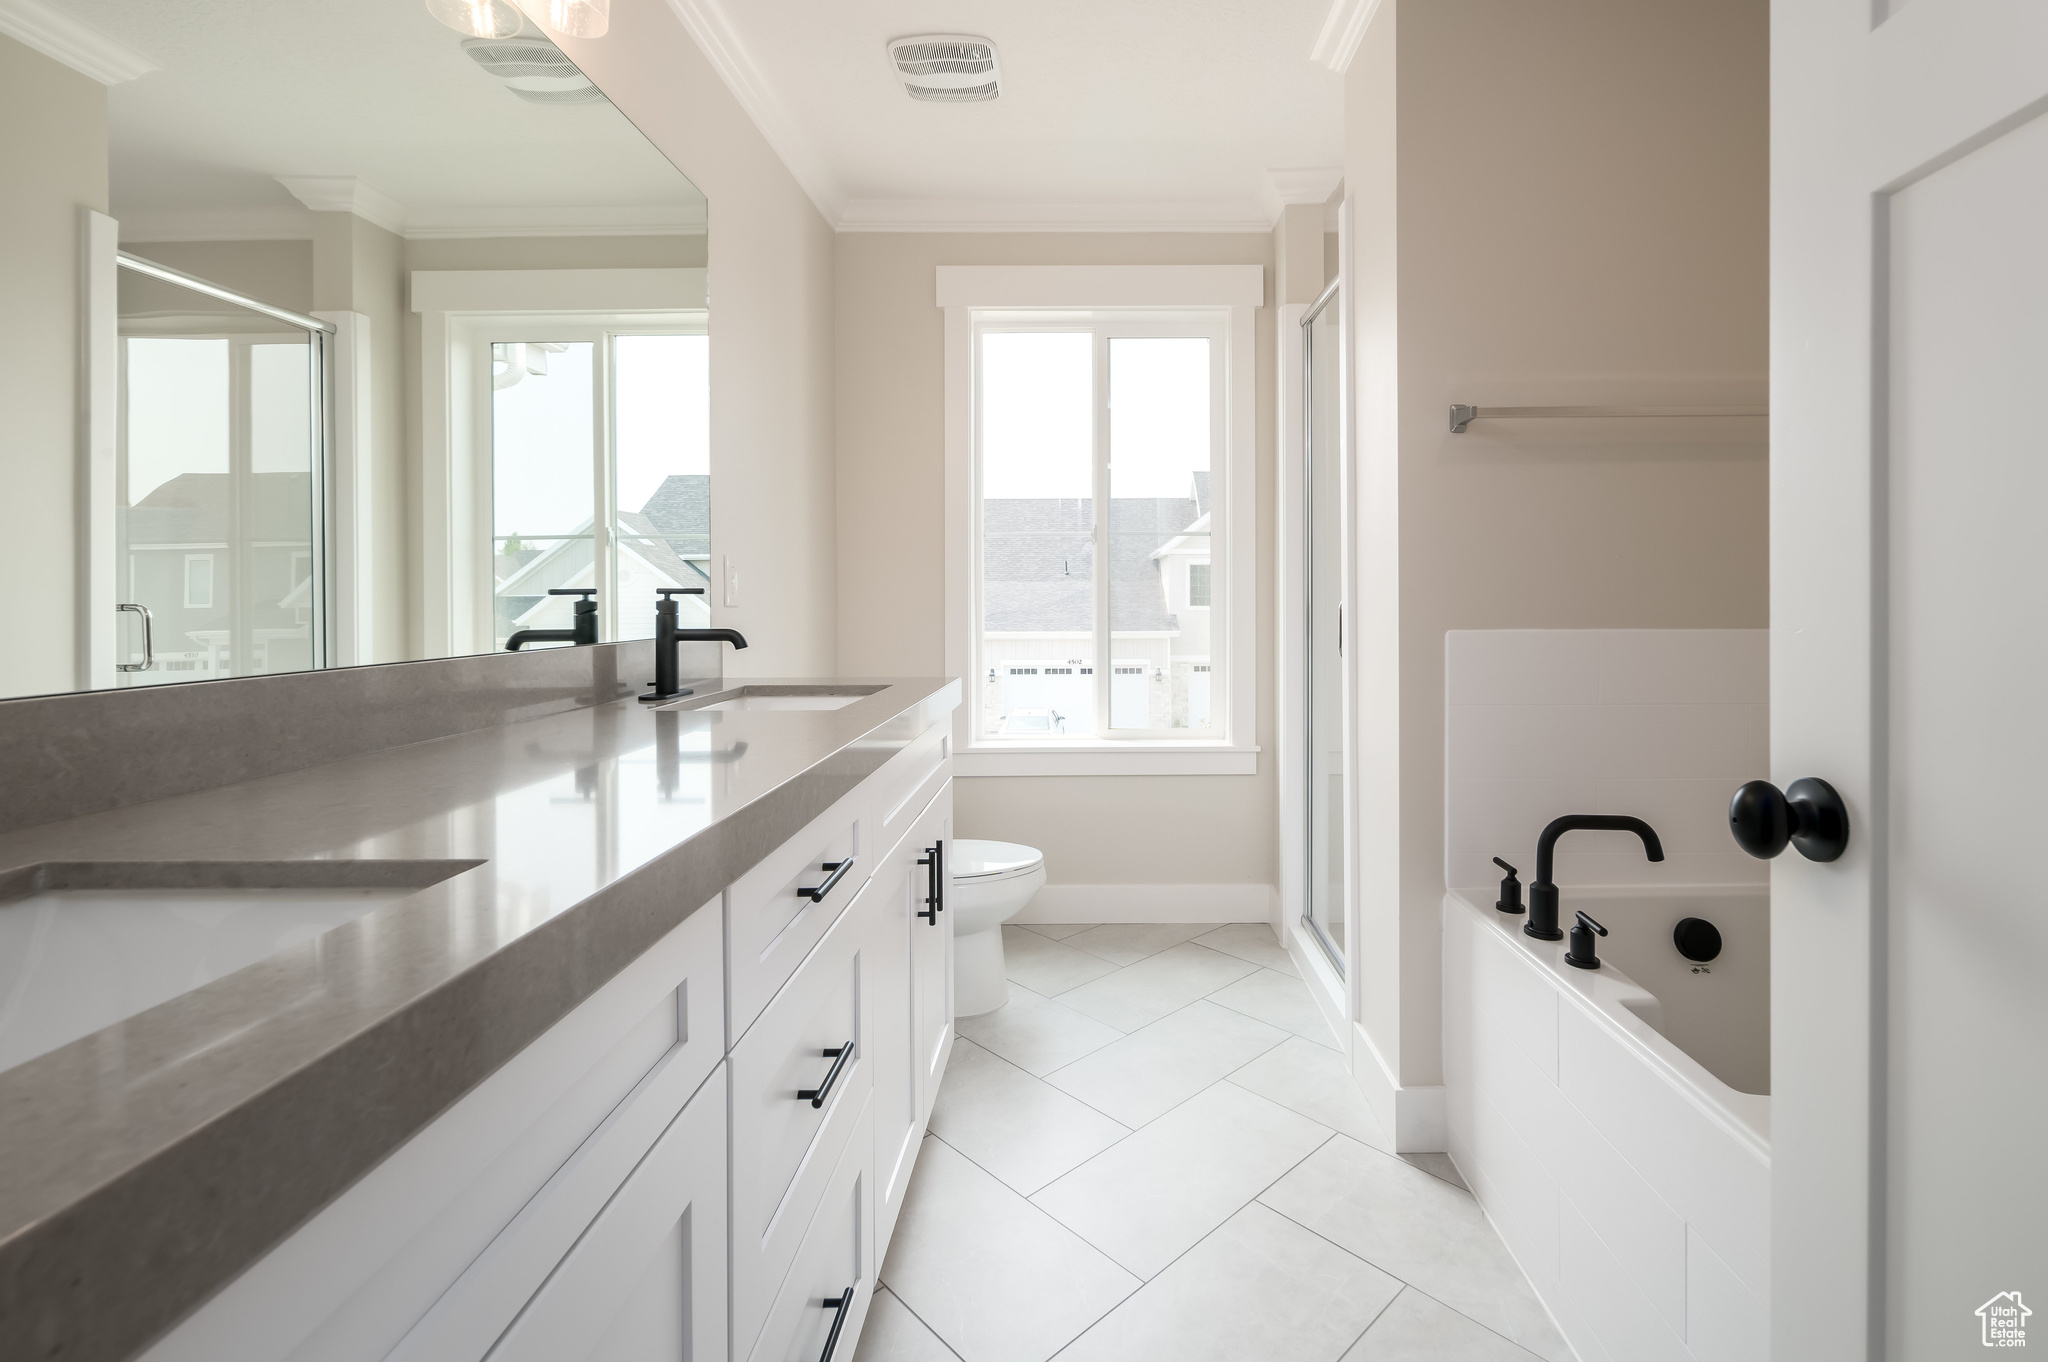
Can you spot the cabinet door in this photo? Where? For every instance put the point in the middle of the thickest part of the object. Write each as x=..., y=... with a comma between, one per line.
x=818, y=1313
x=931, y=961
x=647, y=1281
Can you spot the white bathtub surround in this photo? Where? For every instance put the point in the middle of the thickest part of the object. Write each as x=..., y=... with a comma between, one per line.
x=1195, y=1178
x=1663, y=724
x=1614, y=1123
x=1632, y=1185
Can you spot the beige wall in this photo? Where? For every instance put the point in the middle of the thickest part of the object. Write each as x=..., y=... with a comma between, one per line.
x=891, y=434
x=277, y=272
x=1556, y=204
x=770, y=264
x=53, y=163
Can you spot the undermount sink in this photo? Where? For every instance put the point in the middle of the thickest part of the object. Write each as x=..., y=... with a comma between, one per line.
x=777, y=697
x=86, y=944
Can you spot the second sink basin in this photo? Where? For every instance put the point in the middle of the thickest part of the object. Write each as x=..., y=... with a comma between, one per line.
x=777, y=697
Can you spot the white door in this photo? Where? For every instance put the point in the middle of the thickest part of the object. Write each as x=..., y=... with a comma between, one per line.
x=1909, y=481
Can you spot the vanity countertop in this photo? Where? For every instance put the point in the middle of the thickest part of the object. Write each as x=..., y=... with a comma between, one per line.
x=143, y=1166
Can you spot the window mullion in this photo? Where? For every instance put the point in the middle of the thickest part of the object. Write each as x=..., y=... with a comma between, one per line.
x=1105, y=666
x=604, y=551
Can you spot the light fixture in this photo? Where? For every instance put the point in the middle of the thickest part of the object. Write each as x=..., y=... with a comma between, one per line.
x=580, y=18
x=951, y=68
x=478, y=18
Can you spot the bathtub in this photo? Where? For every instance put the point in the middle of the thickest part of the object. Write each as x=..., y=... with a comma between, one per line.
x=1615, y=1123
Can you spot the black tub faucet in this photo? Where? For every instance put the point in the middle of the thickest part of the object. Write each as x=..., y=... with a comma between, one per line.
x=1542, y=923
x=667, y=668
x=584, y=618
x=1510, y=900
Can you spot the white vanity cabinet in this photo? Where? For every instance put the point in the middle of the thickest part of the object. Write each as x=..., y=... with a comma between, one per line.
x=702, y=1161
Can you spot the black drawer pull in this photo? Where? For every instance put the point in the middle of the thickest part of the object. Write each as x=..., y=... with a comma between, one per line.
x=838, y=869
x=839, y=1308
x=840, y=1058
x=934, y=862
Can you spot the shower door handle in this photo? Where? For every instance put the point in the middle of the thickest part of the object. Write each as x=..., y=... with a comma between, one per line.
x=148, y=640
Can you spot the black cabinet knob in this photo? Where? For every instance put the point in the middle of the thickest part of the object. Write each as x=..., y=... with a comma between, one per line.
x=1809, y=816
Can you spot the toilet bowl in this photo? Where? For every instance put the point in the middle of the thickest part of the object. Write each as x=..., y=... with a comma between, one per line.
x=992, y=881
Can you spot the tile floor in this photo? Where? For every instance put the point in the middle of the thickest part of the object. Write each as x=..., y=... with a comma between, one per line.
x=1155, y=1152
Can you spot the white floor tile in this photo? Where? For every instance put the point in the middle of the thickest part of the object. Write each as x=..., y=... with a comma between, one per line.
x=1281, y=1000
x=1141, y=994
x=1013, y=1125
x=1260, y=1289
x=993, y=1276
x=1156, y=1068
x=1150, y=1198
x=1035, y=1033
x=1423, y=1230
x=1126, y=943
x=1046, y=966
x=1315, y=1081
x=1253, y=941
x=1417, y=1329
x=893, y=1334
x=1058, y=931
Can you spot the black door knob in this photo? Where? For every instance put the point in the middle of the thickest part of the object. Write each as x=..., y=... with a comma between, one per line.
x=1809, y=815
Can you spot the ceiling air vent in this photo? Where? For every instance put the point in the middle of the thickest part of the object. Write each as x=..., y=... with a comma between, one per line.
x=947, y=67
x=533, y=69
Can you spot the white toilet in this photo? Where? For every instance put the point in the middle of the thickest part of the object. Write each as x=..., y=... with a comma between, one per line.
x=992, y=881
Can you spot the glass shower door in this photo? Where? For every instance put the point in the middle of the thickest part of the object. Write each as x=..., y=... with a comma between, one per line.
x=1323, y=577
x=216, y=502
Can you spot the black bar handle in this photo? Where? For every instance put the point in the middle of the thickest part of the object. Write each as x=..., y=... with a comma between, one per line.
x=840, y=1058
x=839, y=1308
x=838, y=869
x=934, y=862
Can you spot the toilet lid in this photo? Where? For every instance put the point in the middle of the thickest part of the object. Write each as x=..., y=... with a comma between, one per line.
x=969, y=859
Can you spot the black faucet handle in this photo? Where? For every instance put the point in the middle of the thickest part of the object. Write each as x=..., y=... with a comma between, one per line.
x=1580, y=955
x=1586, y=921
x=584, y=591
x=666, y=591
x=1510, y=889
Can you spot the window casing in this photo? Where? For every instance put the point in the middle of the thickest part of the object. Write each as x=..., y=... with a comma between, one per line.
x=1203, y=720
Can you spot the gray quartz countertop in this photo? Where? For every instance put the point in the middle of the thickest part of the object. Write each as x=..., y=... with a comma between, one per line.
x=145, y=1165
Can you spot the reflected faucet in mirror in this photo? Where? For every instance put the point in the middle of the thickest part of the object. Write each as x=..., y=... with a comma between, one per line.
x=582, y=633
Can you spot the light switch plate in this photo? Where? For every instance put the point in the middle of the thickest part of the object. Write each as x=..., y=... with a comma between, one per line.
x=732, y=581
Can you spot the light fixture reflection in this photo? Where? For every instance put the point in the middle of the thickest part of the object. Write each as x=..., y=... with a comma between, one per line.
x=580, y=18
x=478, y=18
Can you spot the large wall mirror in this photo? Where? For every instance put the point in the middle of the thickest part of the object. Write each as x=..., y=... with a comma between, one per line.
x=394, y=340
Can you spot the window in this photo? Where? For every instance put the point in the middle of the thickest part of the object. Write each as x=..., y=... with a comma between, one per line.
x=1096, y=560
x=199, y=581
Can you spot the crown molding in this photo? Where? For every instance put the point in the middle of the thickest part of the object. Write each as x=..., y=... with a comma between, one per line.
x=1011, y=215
x=1298, y=185
x=1342, y=31
x=62, y=38
x=347, y=194
x=707, y=22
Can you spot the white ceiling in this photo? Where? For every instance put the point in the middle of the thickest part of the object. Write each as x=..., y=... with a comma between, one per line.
x=1114, y=113
x=247, y=91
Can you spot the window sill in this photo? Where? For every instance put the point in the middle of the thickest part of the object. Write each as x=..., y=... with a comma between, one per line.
x=1136, y=758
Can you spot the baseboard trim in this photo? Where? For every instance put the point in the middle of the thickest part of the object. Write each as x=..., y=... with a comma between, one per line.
x=1417, y=1116
x=1149, y=903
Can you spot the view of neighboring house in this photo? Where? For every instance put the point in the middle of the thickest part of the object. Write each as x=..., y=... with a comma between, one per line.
x=1038, y=644
x=227, y=585
x=666, y=543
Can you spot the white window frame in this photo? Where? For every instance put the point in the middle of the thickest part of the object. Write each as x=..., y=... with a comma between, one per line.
x=1235, y=290
x=459, y=312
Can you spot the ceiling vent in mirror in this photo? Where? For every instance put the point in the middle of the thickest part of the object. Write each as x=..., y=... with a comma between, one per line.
x=533, y=69
x=947, y=67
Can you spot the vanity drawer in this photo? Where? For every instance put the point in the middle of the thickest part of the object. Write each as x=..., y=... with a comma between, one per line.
x=771, y=926
x=794, y=1108
x=837, y=1258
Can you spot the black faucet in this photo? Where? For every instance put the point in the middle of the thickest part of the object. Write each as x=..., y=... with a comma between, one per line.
x=585, y=620
x=1542, y=923
x=667, y=666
